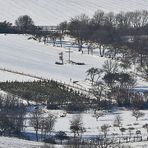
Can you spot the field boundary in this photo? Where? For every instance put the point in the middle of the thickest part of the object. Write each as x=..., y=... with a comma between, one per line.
x=74, y=86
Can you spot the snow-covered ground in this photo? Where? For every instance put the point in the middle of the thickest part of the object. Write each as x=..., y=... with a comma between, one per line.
x=6, y=142
x=28, y=56
x=19, y=54
x=31, y=57
x=139, y=145
x=7, y=76
x=93, y=126
x=52, y=12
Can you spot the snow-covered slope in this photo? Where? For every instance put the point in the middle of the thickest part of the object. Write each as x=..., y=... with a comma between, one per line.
x=31, y=57
x=6, y=142
x=52, y=12
x=19, y=54
x=7, y=76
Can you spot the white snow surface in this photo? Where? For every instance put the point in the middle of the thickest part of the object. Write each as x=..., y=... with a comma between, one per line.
x=6, y=142
x=30, y=57
x=52, y=12
x=93, y=126
x=7, y=76
x=19, y=54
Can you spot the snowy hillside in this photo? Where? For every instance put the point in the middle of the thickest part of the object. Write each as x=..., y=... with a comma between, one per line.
x=31, y=57
x=28, y=56
x=52, y=12
x=5, y=76
x=6, y=142
x=14, y=143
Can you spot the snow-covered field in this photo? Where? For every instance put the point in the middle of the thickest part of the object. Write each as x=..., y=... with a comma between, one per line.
x=52, y=12
x=139, y=145
x=6, y=142
x=7, y=76
x=31, y=57
x=28, y=56
x=93, y=126
x=19, y=54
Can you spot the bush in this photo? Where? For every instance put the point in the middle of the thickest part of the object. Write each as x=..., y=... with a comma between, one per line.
x=106, y=104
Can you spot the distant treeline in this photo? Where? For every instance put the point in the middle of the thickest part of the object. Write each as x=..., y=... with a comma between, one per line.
x=108, y=30
x=123, y=23
x=124, y=34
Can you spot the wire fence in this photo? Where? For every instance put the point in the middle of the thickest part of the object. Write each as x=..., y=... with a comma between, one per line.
x=76, y=87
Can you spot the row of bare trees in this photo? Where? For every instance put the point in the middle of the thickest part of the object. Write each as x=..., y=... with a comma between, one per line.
x=12, y=112
x=42, y=124
x=109, y=83
x=121, y=36
x=107, y=28
x=114, y=84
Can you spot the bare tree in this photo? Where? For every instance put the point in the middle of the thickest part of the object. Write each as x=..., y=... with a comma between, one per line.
x=144, y=70
x=63, y=26
x=61, y=136
x=105, y=129
x=98, y=18
x=144, y=18
x=24, y=23
x=93, y=74
x=49, y=123
x=35, y=120
x=137, y=114
x=122, y=130
x=97, y=115
x=78, y=28
x=12, y=112
x=130, y=129
x=98, y=92
x=110, y=19
x=146, y=127
x=76, y=125
x=110, y=67
x=118, y=121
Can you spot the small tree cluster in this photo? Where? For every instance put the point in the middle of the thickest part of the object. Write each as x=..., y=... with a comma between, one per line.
x=43, y=124
x=12, y=112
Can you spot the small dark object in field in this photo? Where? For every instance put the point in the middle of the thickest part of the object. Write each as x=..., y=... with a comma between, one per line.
x=80, y=63
x=58, y=63
x=30, y=38
x=75, y=81
x=77, y=63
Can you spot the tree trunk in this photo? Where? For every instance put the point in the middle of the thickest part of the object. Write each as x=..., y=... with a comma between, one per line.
x=37, y=138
